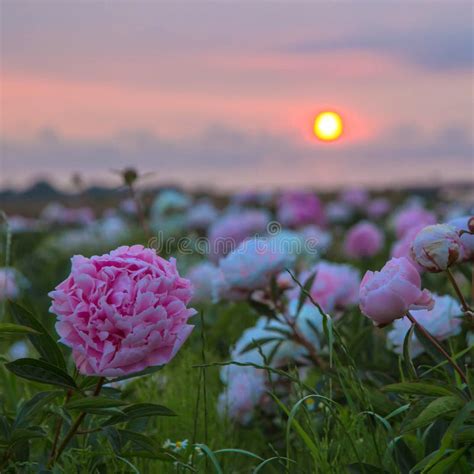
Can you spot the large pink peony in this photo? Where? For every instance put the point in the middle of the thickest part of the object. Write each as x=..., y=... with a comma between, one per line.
x=122, y=312
x=388, y=294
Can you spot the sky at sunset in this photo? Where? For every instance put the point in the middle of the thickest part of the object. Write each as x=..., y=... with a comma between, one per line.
x=223, y=94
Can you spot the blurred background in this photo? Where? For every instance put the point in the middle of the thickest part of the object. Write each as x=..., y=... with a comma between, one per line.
x=223, y=96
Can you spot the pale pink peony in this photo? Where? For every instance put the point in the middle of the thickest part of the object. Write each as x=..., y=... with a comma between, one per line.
x=388, y=294
x=442, y=321
x=244, y=393
x=203, y=276
x=410, y=217
x=250, y=267
x=335, y=286
x=227, y=232
x=299, y=208
x=123, y=311
x=437, y=247
x=363, y=240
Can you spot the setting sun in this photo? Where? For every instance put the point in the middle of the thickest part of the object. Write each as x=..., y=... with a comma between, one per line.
x=328, y=126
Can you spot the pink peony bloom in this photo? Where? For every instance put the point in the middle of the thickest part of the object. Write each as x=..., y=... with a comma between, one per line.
x=437, y=247
x=402, y=248
x=462, y=224
x=335, y=286
x=388, y=294
x=363, y=240
x=442, y=321
x=230, y=230
x=298, y=208
x=123, y=311
x=410, y=217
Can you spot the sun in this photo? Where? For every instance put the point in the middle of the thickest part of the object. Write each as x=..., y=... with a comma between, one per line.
x=328, y=126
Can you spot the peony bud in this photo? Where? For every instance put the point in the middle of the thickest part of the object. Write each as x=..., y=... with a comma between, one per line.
x=437, y=247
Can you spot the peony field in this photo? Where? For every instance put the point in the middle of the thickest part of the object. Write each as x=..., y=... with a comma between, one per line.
x=236, y=237
x=253, y=332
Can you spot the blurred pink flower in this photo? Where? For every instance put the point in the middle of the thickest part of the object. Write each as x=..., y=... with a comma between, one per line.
x=299, y=208
x=56, y=213
x=251, y=266
x=378, y=208
x=437, y=247
x=335, y=286
x=442, y=321
x=402, y=247
x=355, y=197
x=462, y=224
x=203, y=276
x=230, y=230
x=389, y=293
x=363, y=240
x=123, y=311
x=244, y=392
x=410, y=217
x=201, y=215
x=9, y=287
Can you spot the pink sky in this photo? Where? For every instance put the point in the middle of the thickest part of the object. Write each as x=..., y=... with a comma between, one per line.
x=209, y=94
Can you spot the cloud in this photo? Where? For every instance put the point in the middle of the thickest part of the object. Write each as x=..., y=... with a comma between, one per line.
x=228, y=158
x=436, y=48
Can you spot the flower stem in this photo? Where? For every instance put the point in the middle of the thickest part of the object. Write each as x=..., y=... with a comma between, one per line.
x=140, y=210
x=464, y=305
x=438, y=347
x=72, y=431
x=59, y=425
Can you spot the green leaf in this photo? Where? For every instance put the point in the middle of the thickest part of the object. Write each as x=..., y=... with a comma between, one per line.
x=361, y=468
x=410, y=368
x=89, y=404
x=438, y=408
x=259, y=342
x=448, y=438
x=304, y=293
x=142, y=441
x=418, y=388
x=428, y=346
x=147, y=371
x=465, y=435
x=9, y=329
x=444, y=466
x=30, y=409
x=139, y=410
x=42, y=372
x=262, y=309
x=43, y=342
x=22, y=434
x=210, y=454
